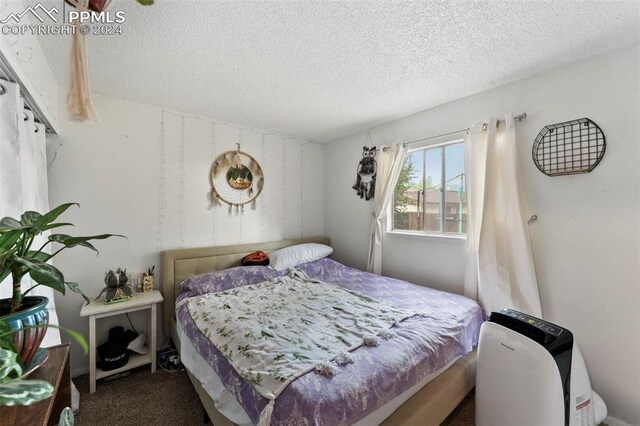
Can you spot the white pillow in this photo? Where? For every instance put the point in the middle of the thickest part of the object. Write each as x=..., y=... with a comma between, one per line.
x=290, y=257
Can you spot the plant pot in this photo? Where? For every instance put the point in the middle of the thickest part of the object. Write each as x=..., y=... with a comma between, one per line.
x=33, y=313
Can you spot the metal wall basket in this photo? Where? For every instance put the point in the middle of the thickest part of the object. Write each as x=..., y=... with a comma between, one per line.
x=568, y=148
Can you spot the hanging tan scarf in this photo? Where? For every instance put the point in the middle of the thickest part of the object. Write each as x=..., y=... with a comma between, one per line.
x=79, y=102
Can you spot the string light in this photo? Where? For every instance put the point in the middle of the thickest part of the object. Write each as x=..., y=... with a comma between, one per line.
x=284, y=191
x=301, y=190
x=162, y=189
x=182, y=187
x=213, y=207
x=263, y=200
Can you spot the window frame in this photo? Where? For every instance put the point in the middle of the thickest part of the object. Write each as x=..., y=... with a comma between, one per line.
x=450, y=140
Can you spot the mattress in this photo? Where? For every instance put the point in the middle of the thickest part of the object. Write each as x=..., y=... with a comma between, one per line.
x=227, y=405
x=381, y=376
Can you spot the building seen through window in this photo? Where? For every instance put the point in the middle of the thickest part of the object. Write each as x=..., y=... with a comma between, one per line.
x=430, y=195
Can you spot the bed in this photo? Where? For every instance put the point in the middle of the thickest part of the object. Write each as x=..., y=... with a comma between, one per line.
x=427, y=400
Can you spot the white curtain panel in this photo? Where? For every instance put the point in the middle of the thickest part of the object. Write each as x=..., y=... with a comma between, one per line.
x=10, y=187
x=23, y=180
x=500, y=269
x=390, y=161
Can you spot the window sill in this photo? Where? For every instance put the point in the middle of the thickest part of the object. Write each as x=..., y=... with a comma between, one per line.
x=439, y=237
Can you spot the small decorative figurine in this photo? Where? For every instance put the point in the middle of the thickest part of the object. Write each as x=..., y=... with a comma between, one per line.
x=117, y=289
x=366, y=173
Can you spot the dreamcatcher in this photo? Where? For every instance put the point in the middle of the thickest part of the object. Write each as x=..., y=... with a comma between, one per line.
x=236, y=180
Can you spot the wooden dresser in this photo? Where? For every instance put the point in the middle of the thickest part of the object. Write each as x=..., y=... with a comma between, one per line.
x=56, y=371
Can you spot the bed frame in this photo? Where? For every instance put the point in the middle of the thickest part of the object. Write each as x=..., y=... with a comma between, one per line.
x=430, y=406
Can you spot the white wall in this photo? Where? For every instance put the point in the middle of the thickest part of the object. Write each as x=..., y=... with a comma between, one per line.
x=587, y=239
x=114, y=170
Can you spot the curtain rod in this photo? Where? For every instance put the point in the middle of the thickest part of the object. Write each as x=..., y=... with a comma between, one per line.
x=484, y=127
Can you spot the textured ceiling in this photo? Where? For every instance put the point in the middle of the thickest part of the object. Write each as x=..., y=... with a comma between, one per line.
x=321, y=70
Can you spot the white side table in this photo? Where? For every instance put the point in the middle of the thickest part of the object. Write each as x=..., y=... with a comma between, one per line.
x=98, y=309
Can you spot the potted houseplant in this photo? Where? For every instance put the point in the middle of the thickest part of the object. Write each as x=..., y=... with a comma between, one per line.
x=27, y=316
x=14, y=390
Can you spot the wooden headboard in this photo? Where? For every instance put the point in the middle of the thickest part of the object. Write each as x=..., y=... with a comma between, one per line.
x=179, y=264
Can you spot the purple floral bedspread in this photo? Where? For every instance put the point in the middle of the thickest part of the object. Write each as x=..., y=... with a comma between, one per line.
x=448, y=328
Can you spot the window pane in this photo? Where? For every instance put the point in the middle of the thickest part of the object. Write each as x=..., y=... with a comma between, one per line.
x=433, y=179
x=455, y=190
x=407, y=203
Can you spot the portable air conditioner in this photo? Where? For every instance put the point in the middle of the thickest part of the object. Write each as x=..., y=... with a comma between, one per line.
x=531, y=373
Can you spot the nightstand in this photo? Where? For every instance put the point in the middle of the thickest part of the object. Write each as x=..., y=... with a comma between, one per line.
x=98, y=309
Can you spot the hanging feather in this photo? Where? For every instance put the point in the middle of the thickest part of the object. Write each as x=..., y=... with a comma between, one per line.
x=254, y=168
x=215, y=199
x=254, y=204
x=227, y=157
x=250, y=191
x=237, y=210
x=258, y=174
x=234, y=159
x=223, y=162
x=215, y=169
x=230, y=208
x=242, y=209
x=260, y=184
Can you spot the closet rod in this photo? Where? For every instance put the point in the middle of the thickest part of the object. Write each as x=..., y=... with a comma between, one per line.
x=517, y=118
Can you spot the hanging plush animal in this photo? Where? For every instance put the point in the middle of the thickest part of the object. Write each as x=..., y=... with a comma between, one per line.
x=366, y=173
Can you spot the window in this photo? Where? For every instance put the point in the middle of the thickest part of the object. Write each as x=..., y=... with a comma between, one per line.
x=430, y=195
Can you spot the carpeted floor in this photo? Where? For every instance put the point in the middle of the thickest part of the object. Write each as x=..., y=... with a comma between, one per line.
x=140, y=399
x=165, y=398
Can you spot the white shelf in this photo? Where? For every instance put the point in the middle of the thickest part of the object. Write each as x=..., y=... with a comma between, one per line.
x=135, y=360
x=139, y=300
x=98, y=309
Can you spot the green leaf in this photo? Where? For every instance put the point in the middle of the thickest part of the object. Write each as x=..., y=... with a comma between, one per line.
x=59, y=238
x=37, y=255
x=146, y=2
x=74, y=241
x=49, y=217
x=9, y=238
x=4, y=327
x=30, y=218
x=48, y=280
x=75, y=287
x=6, y=342
x=43, y=273
x=76, y=336
x=24, y=392
x=9, y=364
x=70, y=241
x=64, y=239
x=9, y=223
x=55, y=225
x=66, y=417
x=82, y=244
